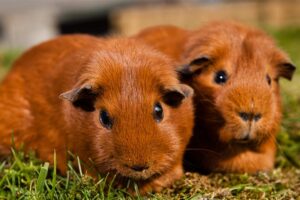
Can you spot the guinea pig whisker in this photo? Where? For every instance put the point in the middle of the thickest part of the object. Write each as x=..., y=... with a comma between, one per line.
x=209, y=103
x=205, y=99
x=202, y=149
x=211, y=120
x=276, y=142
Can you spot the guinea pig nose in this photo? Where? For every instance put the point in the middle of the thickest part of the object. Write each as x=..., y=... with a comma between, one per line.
x=139, y=168
x=250, y=116
x=257, y=117
x=245, y=116
x=246, y=137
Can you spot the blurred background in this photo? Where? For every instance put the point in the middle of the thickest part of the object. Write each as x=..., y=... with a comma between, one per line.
x=24, y=23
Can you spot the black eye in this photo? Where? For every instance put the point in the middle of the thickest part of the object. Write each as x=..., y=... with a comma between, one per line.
x=220, y=77
x=105, y=119
x=269, y=79
x=158, y=113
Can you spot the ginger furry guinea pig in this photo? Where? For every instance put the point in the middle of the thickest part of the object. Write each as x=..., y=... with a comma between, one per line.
x=235, y=72
x=121, y=108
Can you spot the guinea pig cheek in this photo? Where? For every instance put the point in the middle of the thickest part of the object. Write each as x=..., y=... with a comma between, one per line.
x=169, y=134
x=102, y=145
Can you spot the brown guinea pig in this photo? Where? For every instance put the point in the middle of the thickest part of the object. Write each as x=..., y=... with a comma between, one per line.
x=235, y=73
x=122, y=109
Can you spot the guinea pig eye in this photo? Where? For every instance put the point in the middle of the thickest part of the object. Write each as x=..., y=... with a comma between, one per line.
x=105, y=119
x=221, y=77
x=268, y=79
x=158, y=113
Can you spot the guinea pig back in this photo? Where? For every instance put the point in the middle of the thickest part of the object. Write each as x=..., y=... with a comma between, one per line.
x=235, y=72
x=166, y=38
x=121, y=108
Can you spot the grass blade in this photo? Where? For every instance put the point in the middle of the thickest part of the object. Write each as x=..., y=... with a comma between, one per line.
x=54, y=176
x=42, y=177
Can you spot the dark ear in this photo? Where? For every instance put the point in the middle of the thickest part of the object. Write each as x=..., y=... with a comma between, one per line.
x=175, y=95
x=286, y=70
x=194, y=65
x=83, y=97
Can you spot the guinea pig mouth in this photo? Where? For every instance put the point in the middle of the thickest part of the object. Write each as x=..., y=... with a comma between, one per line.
x=136, y=175
x=242, y=141
x=143, y=176
x=245, y=139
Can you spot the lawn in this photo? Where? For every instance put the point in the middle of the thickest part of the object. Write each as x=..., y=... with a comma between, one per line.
x=24, y=177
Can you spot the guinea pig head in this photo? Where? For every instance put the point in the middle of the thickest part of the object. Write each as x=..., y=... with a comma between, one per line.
x=235, y=73
x=136, y=102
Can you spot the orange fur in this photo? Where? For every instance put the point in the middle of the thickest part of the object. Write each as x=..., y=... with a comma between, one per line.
x=121, y=76
x=166, y=38
x=222, y=140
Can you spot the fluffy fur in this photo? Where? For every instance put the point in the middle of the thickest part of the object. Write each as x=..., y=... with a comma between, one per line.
x=223, y=140
x=122, y=77
x=166, y=38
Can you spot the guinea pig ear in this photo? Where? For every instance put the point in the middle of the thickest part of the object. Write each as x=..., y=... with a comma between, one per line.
x=175, y=95
x=286, y=70
x=83, y=97
x=195, y=65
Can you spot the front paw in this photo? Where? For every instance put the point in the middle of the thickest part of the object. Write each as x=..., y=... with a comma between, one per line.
x=161, y=182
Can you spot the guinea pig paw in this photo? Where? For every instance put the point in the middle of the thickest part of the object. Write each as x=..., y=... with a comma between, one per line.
x=165, y=180
x=154, y=186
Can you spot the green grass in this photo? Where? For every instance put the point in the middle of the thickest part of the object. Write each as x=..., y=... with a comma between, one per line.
x=24, y=177
x=6, y=60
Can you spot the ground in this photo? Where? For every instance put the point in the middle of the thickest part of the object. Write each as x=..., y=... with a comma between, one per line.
x=24, y=177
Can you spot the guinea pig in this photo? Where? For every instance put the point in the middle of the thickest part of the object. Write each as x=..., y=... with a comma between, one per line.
x=235, y=72
x=166, y=38
x=121, y=109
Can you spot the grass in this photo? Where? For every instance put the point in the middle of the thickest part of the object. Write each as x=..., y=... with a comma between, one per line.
x=6, y=59
x=25, y=177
